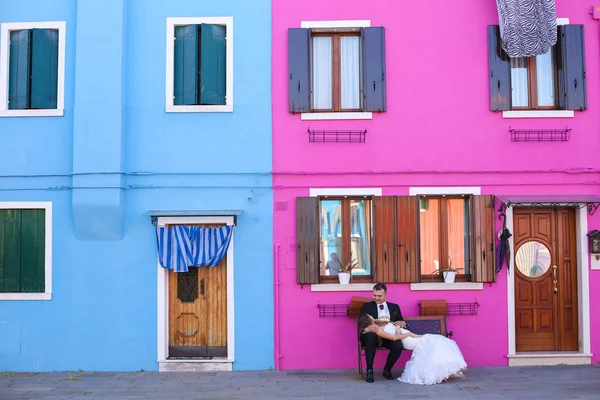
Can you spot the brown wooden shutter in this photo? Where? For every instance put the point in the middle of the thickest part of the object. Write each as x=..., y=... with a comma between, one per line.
x=383, y=265
x=307, y=239
x=407, y=234
x=482, y=239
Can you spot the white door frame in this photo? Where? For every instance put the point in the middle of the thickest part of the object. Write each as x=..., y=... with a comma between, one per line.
x=583, y=285
x=163, y=293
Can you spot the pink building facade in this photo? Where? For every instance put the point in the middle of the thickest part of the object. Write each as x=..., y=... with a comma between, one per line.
x=393, y=127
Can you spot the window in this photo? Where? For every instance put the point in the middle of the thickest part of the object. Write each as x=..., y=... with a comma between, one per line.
x=555, y=80
x=336, y=67
x=345, y=235
x=199, y=64
x=395, y=239
x=444, y=236
x=25, y=251
x=32, y=56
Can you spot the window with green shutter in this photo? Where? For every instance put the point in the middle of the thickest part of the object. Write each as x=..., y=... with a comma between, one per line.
x=22, y=250
x=33, y=69
x=199, y=65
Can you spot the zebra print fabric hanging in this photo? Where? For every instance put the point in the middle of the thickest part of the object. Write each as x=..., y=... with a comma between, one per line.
x=527, y=27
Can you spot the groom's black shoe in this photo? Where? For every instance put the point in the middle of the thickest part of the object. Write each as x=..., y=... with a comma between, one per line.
x=370, y=375
x=387, y=374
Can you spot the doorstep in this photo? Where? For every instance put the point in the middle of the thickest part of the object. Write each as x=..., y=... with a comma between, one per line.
x=548, y=358
x=195, y=365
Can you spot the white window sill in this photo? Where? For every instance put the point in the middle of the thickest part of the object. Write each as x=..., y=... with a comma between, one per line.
x=199, y=109
x=447, y=286
x=335, y=116
x=25, y=296
x=56, y=112
x=336, y=287
x=539, y=114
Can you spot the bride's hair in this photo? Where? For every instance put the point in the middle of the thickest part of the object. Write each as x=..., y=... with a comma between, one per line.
x=363, y=320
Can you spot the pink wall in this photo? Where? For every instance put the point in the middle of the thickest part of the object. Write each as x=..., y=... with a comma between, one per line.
x=437, y=131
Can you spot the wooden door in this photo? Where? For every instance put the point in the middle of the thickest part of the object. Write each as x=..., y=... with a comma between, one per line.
x=545, y=280
x=198, y=312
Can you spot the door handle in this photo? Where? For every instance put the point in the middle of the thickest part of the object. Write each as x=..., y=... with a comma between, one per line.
x=555, y=278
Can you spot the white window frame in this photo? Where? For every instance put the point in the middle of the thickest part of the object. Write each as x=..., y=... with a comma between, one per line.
x=5, y=29
x=452, y=190
x=47, y=207
x=328, y=26
x=542, y=113
x=170, y=59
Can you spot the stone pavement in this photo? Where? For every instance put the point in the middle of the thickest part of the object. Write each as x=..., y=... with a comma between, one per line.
x=488, y=383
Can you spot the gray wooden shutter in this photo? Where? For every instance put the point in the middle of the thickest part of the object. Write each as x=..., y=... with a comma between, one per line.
x=482, y=237
x=499, y=64
x=373, y=63
x=571, y=68
x=307, y=239
x=299, y=69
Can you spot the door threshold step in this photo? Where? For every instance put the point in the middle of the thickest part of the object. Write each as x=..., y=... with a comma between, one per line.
x=548, y=358
x=195, y=365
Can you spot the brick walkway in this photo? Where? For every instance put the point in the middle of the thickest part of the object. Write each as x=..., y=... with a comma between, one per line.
x=489, y=383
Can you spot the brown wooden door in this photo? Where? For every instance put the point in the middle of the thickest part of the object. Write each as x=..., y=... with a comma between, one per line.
x=545, y=280
x=198, y=312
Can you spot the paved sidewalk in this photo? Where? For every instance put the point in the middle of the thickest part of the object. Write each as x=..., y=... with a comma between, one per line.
x=489, y=383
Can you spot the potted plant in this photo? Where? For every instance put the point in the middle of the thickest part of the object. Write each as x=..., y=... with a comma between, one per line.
x=345, y=271
x=448, y=272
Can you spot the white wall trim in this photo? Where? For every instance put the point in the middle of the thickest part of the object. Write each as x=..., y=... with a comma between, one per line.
x=336, y=287
x=170, y=54
x=583, y=285
x=5, y=29
x=446, y=286
x=361, y=23
x=317, y=116
x=163, y=291
x=315, y=192
x=562, y=21
x=47, y=294
x=450, y=190
x=539, y=114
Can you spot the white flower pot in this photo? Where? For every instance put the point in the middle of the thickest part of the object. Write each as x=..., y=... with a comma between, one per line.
x=449, y=276
x=344, y=278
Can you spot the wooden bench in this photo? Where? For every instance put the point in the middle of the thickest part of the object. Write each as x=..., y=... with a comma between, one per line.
x=434, y=324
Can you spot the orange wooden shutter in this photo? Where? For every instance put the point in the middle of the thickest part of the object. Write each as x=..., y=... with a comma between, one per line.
x=307, y=239
x=483, y=266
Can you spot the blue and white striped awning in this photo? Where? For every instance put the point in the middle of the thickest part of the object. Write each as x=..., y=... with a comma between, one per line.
x=183, y=246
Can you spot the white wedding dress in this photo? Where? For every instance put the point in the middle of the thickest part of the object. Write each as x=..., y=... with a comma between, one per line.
x=434, y=358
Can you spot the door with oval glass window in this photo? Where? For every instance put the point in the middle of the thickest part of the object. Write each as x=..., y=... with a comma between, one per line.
x=545, y=279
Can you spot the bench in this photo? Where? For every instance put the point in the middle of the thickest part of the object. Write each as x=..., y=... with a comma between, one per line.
x=434, y=324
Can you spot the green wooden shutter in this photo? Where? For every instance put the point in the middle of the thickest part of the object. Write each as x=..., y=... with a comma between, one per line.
x=18, y=72
x=213, y=69
x=307, y=240
x=33, y=244
x=185, y=85
x=44, y=68
x=483, y=267
x=10, y=250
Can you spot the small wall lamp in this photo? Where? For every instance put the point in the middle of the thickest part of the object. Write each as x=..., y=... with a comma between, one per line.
x=594, y=243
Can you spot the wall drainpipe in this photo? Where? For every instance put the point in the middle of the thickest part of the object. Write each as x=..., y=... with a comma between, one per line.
x=276, y=305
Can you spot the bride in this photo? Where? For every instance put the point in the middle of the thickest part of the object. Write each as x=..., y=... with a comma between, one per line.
x=434, y=359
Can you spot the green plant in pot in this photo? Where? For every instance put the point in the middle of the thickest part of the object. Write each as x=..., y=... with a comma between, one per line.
x=448, y=272
x=345, y=270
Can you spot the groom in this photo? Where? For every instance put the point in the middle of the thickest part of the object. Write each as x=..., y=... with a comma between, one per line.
x=382, y=310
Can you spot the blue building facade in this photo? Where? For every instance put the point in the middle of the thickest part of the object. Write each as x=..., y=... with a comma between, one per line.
x=118, y=117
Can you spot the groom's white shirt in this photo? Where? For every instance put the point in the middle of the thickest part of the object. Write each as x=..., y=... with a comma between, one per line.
x=383, y=314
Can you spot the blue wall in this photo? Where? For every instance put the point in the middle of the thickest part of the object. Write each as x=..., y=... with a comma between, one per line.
x=114, y=156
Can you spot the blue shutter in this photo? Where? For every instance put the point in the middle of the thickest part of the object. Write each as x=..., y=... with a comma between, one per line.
x=18, y=73
x=499, y=64
x=44, y=68
x=213, y=69
x=185, y=87
x=571, y=68
x=373, y=58
x=299, y=69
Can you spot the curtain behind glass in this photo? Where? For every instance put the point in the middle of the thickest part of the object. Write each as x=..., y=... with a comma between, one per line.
x=545, y=78
x=518, y=76
x=360, y=236
x=350, y=72
x=322, y=65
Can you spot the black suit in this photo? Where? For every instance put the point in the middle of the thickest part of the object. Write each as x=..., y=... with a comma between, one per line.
x=370, y=339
